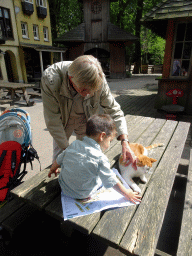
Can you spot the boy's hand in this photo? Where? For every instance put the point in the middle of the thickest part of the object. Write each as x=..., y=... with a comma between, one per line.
x=128, y=193
x=53, y=171
x=133, y=196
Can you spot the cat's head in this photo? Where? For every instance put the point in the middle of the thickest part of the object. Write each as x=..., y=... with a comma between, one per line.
x=145, y=161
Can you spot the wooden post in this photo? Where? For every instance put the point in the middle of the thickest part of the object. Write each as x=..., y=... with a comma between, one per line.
x=41, y=61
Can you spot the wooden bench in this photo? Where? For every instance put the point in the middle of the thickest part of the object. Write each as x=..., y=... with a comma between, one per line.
x=13, y=89
x=132, y=229
x=185, y=239
x=13, y=214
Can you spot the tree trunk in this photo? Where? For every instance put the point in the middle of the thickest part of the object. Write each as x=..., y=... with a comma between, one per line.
x=54, y=6
x=137, y=66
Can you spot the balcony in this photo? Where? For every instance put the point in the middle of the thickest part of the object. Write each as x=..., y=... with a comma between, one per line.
x=27, y=8
x=41, y=12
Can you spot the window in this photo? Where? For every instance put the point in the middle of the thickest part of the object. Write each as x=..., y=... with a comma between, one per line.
x=182, y=50
x=36, y=32
x=27, y=7
x=45, y=32
x=41, y=3
x=5, y=23
x=24, y=30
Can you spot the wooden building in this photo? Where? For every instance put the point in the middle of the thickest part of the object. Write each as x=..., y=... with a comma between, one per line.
x=99, y=37
x=172, y=20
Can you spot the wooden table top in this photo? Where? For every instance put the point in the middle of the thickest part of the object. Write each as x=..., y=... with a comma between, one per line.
x=133, y=229
x=15, y=85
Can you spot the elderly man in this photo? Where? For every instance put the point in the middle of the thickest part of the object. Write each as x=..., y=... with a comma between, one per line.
x=72, y=91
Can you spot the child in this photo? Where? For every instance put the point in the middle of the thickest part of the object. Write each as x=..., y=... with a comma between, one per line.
x=84, y=168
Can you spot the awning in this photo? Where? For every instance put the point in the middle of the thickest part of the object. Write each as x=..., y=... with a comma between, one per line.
x=43, y=48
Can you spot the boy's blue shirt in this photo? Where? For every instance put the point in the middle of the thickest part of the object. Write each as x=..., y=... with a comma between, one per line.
x=83, y=167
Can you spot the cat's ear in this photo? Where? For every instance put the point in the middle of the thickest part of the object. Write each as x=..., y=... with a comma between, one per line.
x=153, y=160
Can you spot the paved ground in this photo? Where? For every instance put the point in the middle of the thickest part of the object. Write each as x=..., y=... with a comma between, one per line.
x=42, y=236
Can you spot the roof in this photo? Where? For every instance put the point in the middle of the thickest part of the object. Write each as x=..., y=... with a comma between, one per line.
x=157, y=18
x=78, y=34
x=45, y=48
x=117, y=34
x=81, y=1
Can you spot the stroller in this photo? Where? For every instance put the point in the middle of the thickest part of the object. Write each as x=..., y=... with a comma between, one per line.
x=15, y=149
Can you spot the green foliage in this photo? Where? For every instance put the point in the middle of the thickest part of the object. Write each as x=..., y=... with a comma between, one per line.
x=124, y=17
x=71, y=15
x=67, y=14
x=152, y=47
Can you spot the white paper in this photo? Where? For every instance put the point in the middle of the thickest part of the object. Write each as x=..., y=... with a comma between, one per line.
x=103, y=199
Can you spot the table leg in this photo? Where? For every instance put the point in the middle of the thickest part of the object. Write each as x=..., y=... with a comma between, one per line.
x=12, y=94
x=26, y=96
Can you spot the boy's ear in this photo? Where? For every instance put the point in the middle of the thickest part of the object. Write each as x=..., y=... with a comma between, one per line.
x=102, y=136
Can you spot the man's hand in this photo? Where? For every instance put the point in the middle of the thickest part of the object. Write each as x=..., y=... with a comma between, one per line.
x=128, y=155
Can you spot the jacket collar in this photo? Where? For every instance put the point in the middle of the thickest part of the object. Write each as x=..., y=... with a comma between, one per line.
x=64, y=90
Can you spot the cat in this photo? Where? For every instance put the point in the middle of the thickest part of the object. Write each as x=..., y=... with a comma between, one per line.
x=143, y=165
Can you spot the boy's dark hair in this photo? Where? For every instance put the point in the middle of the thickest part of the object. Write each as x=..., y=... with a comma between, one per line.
x=100, y=123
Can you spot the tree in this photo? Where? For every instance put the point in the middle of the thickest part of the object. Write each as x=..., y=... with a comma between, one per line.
x=152, y=47
x=127, y=15
x=138, y=33
x=65, y=15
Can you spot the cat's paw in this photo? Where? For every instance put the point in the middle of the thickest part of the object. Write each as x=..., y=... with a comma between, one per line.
x=143, y=179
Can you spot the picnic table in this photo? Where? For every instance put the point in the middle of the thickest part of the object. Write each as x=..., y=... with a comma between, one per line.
x=13, y=89
x=134, y=229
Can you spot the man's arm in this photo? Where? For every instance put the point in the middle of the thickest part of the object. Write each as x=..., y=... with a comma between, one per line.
x=52, y=116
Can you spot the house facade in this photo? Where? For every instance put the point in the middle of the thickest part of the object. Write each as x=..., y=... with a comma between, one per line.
x=10, y=66
x=28, y=50
x=172, y=19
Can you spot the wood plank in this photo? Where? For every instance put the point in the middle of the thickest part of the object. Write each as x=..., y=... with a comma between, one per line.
x=114, y=222
x=27, y=187
x=15, y=85
x=84, y=224
x=142, y=234
x=132, y=122
x=54, y=209
x=16, y=219
x=185, y=237
x=44, y=194
x=160, y=253
x=40, y=190
x=10, y=208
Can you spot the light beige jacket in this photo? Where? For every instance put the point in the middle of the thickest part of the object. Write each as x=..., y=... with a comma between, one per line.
x=57, y=102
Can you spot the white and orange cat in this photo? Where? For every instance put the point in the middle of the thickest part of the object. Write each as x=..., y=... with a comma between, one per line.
x=143, y=165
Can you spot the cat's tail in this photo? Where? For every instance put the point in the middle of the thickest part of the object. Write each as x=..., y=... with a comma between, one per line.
x=155, y=146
